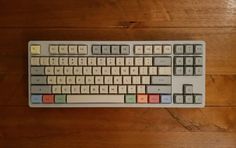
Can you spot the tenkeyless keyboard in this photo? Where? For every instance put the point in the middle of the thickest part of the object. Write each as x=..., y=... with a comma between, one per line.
x=116, y=73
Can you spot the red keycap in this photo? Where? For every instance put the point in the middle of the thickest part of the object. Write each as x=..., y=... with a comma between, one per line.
x=142, y=98
x=48, y=98
x=154, y=98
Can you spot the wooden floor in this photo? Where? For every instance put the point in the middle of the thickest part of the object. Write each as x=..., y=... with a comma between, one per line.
x=211, y=20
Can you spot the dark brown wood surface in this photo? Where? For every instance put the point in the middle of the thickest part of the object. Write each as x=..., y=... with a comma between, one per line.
x=211, y=20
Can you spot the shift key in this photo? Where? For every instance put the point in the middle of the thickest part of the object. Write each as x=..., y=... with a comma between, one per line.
x=41, y=89
x=159, y=89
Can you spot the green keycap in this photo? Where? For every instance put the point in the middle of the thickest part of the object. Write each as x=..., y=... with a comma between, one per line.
x=130, y=98
x=60, y=98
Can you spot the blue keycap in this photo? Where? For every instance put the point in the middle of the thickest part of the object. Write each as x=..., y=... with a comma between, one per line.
x=166, y=99
x=36, y=99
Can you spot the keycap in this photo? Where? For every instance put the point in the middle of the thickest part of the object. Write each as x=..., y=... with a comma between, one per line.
x=95, y=99
x=198, y=61
x=198, y=98
x=198, y=71
x=63, y=49
x=48, y=99
x=188, y=71
x=106, y=49
x=179, y=71
x=187, y=88
x=167, y=49
x=157, y=49
x=38, y=80
x=161, y=80
x=164, y=71
x=138, y=49
x=178, y=99
x=142, y=98
x=35, y=61
x=73, y=49
x=53, y=49
x=148, y=49
x=125, y=49
x=162, y=61
x=35, y=99
x=130, y=98
x=179, y=61
x=188, y=99
x=41, y=89
x=166, y=99
x=198, y=49
x=188, y=61
x=154, y=98
x=37, y=70
x=82, y=49
x=178, y=49
x=158, y=89
x=35, y=49
x=60, y=99
x=188, y=49
x=96, y=49
x=115, y=49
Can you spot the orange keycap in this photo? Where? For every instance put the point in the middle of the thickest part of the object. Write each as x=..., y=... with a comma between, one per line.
x=48, y=98
x=154, y=98
x=142, y=98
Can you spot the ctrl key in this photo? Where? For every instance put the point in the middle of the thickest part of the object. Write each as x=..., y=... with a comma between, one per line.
x=36, y=99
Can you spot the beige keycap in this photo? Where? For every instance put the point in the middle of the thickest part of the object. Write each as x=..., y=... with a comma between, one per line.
x=138, y=61
x=73, y=49
x=84, y=89
x=44, y=61
x=98, y=79
x=75, y=89
x=120, y=61
x=148, y=61
x=138, y=49
x=34, y=61
x=89, y=79
x=129, y=61
x=70, y=79
x=80, y=80
x=49, y=70
x=54, y=61
x=111, y=61
x=157, y=49
x=164, y=70
x=127, y=80
x=35, y=49
x=53, y=49
x=117, y=79
x=83, y=49
x=124, y=70
x=148, y=49
x=108, y=80
x=115, y=70
x=145, y=79
x=106, y=71
x=133, y=70
x=97, y=70
x=92, y=61
x=82, y=61
x=78, y=71
x=94, y=89
x=63, y=61
x=52, y=80
x=141, y=89
x=56, y=89
x=63, y=49
x=136, y=80
x=143, y=70
x=131, y=89
x=68, y=70
x=122, y=89
x=59, y=71
x=87, y=70
x=61, y=79
x=73, y=61
x=66, y=89
x=167, y=49
x=152, y=70
x=101, y=61
x=103, y=89
x=112, y=89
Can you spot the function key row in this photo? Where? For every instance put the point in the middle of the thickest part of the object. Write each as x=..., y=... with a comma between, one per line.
x=152, y=49
x=188, y=49
x=110, y=49
x=68, y=49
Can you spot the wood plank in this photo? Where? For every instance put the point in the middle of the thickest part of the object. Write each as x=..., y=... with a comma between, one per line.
x=221, y=56
x=206, y=127
x=118, y=14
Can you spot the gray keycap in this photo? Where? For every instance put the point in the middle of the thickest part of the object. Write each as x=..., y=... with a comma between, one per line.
x=158, y=89
x=37, y=70
x=162, y=61
x=188, y=71
x=160, y=80
x=187, y=88
x=198, y=71
x=198, y=98
x=179, y=71
x=38, y=80
x=188, y=49
x=178, y=99
x=42, y=89
x=178, y=49
x=179, y=61
x=106, y=49
x=125, y=49
x=115, y=49
x=96, y=49
x=188, y=99
x=198, y=61
x=188, y=61
x=198, y=49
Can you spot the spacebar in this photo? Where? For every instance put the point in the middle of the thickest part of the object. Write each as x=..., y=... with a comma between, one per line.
x=95, y=98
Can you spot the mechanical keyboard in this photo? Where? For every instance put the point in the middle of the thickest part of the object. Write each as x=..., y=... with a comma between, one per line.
x=116, y=74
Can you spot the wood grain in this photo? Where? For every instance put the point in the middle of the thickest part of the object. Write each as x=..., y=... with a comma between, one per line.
x=213, y=21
